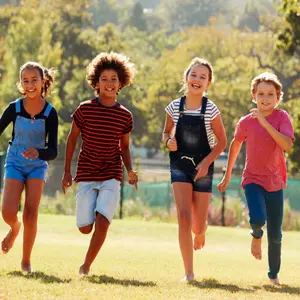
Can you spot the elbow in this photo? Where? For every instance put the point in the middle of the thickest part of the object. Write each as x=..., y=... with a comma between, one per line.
x=124, y=149
x=222, y=144
x=52, y=155
x=288, y=148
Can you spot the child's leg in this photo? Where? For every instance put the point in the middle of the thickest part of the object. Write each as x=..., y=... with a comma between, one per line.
x=33, y=193
x=274, y=206
x=200, y=211
x=10, y=204
x=183, y=195
x=106, y=204
x=257, y=213
x=97, y=240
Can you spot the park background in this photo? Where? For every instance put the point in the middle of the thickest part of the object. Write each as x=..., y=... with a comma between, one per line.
x=141, y=257
x=241, y=39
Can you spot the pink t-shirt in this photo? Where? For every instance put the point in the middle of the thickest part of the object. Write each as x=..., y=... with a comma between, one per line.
x=265, y=162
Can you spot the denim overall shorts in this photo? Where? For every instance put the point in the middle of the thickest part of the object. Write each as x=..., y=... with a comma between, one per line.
x=192, y=148
x=28, y=133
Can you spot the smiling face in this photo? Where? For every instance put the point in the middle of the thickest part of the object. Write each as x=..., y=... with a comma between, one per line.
x=32, y=82
x=109, y=83
x=266, y=97
x=198, y=79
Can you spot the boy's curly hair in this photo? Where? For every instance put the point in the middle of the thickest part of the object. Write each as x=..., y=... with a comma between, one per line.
x=112, y=60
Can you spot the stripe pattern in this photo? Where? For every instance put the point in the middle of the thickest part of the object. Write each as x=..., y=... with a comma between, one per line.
x=211, y=113
x=101, y=129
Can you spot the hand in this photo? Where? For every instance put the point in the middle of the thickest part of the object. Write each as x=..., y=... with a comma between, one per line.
x=66, y=181
x=30, y=153
x=222, y=186
x=133, y=179
x=202, y=169
x=259, y=116
x=172, y=144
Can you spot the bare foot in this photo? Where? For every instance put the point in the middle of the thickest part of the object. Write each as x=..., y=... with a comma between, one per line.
x=26, y=267
x=188, y=278
x=256, y=248
x=275, y=281
x=9, y=240
x=83, y=270
x=199, y=240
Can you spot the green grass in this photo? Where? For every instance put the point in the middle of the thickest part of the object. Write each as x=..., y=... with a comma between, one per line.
x=141, y=260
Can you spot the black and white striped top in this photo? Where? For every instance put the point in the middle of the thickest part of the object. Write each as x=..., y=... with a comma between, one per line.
x=211, y=113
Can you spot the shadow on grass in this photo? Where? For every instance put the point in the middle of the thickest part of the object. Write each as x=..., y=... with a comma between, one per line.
x=214, y=284
x=280, y=289
x=103, y=279
x=44, y=278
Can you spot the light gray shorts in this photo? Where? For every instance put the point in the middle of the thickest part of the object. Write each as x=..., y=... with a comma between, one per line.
x=96, y=196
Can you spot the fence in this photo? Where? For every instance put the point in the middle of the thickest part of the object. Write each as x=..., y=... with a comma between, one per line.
x=160, y=193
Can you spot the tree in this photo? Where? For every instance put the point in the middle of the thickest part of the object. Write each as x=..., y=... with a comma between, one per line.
x=180, y=14
x=289, y=37
x=137, y=18
x=103, y=12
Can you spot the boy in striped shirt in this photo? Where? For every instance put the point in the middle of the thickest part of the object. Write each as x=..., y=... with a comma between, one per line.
x=104, y=126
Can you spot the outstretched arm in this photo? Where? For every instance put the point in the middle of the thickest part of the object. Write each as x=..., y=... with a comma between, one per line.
x=234, y=150
x=70, y=148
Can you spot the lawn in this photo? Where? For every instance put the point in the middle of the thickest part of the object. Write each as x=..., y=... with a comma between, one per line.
x=141, y=260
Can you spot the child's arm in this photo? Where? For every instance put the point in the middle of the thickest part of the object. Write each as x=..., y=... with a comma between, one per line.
x=50, y=152
x=219, y=131
x=7, y=117
x=168, y=140
x=234, y=150
x=126, y=157
x=283, y=141
x=70, y=148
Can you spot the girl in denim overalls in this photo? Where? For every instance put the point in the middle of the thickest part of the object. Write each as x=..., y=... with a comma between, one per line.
x=33, y=143
x=196, y=120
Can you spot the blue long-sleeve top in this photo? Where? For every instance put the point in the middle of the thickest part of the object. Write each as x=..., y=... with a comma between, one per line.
x=50, y=151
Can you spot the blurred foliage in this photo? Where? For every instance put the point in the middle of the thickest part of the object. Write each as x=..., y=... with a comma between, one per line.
x=161, y=41
x=289, y=36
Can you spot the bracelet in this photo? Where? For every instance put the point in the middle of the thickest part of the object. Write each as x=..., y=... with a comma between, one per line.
x=167, y=142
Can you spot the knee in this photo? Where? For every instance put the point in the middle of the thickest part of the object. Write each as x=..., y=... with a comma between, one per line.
x=102, y=223
x=30, y=217
x=86, y=229
x=8, y=215
x=275, y=239
x=185, y=220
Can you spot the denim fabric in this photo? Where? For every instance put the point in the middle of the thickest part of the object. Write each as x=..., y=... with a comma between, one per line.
x=267, y=207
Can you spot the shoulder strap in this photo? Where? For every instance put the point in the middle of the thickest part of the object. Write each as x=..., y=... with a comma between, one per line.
x=181, y=106
x=203, y=107
x=18, y=106
x=48, y=110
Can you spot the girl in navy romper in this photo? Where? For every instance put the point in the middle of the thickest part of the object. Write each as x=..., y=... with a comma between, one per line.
x=33, y=143
x=196, y=122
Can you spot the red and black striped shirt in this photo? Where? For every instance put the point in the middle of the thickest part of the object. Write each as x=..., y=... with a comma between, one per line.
x=101, y=129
